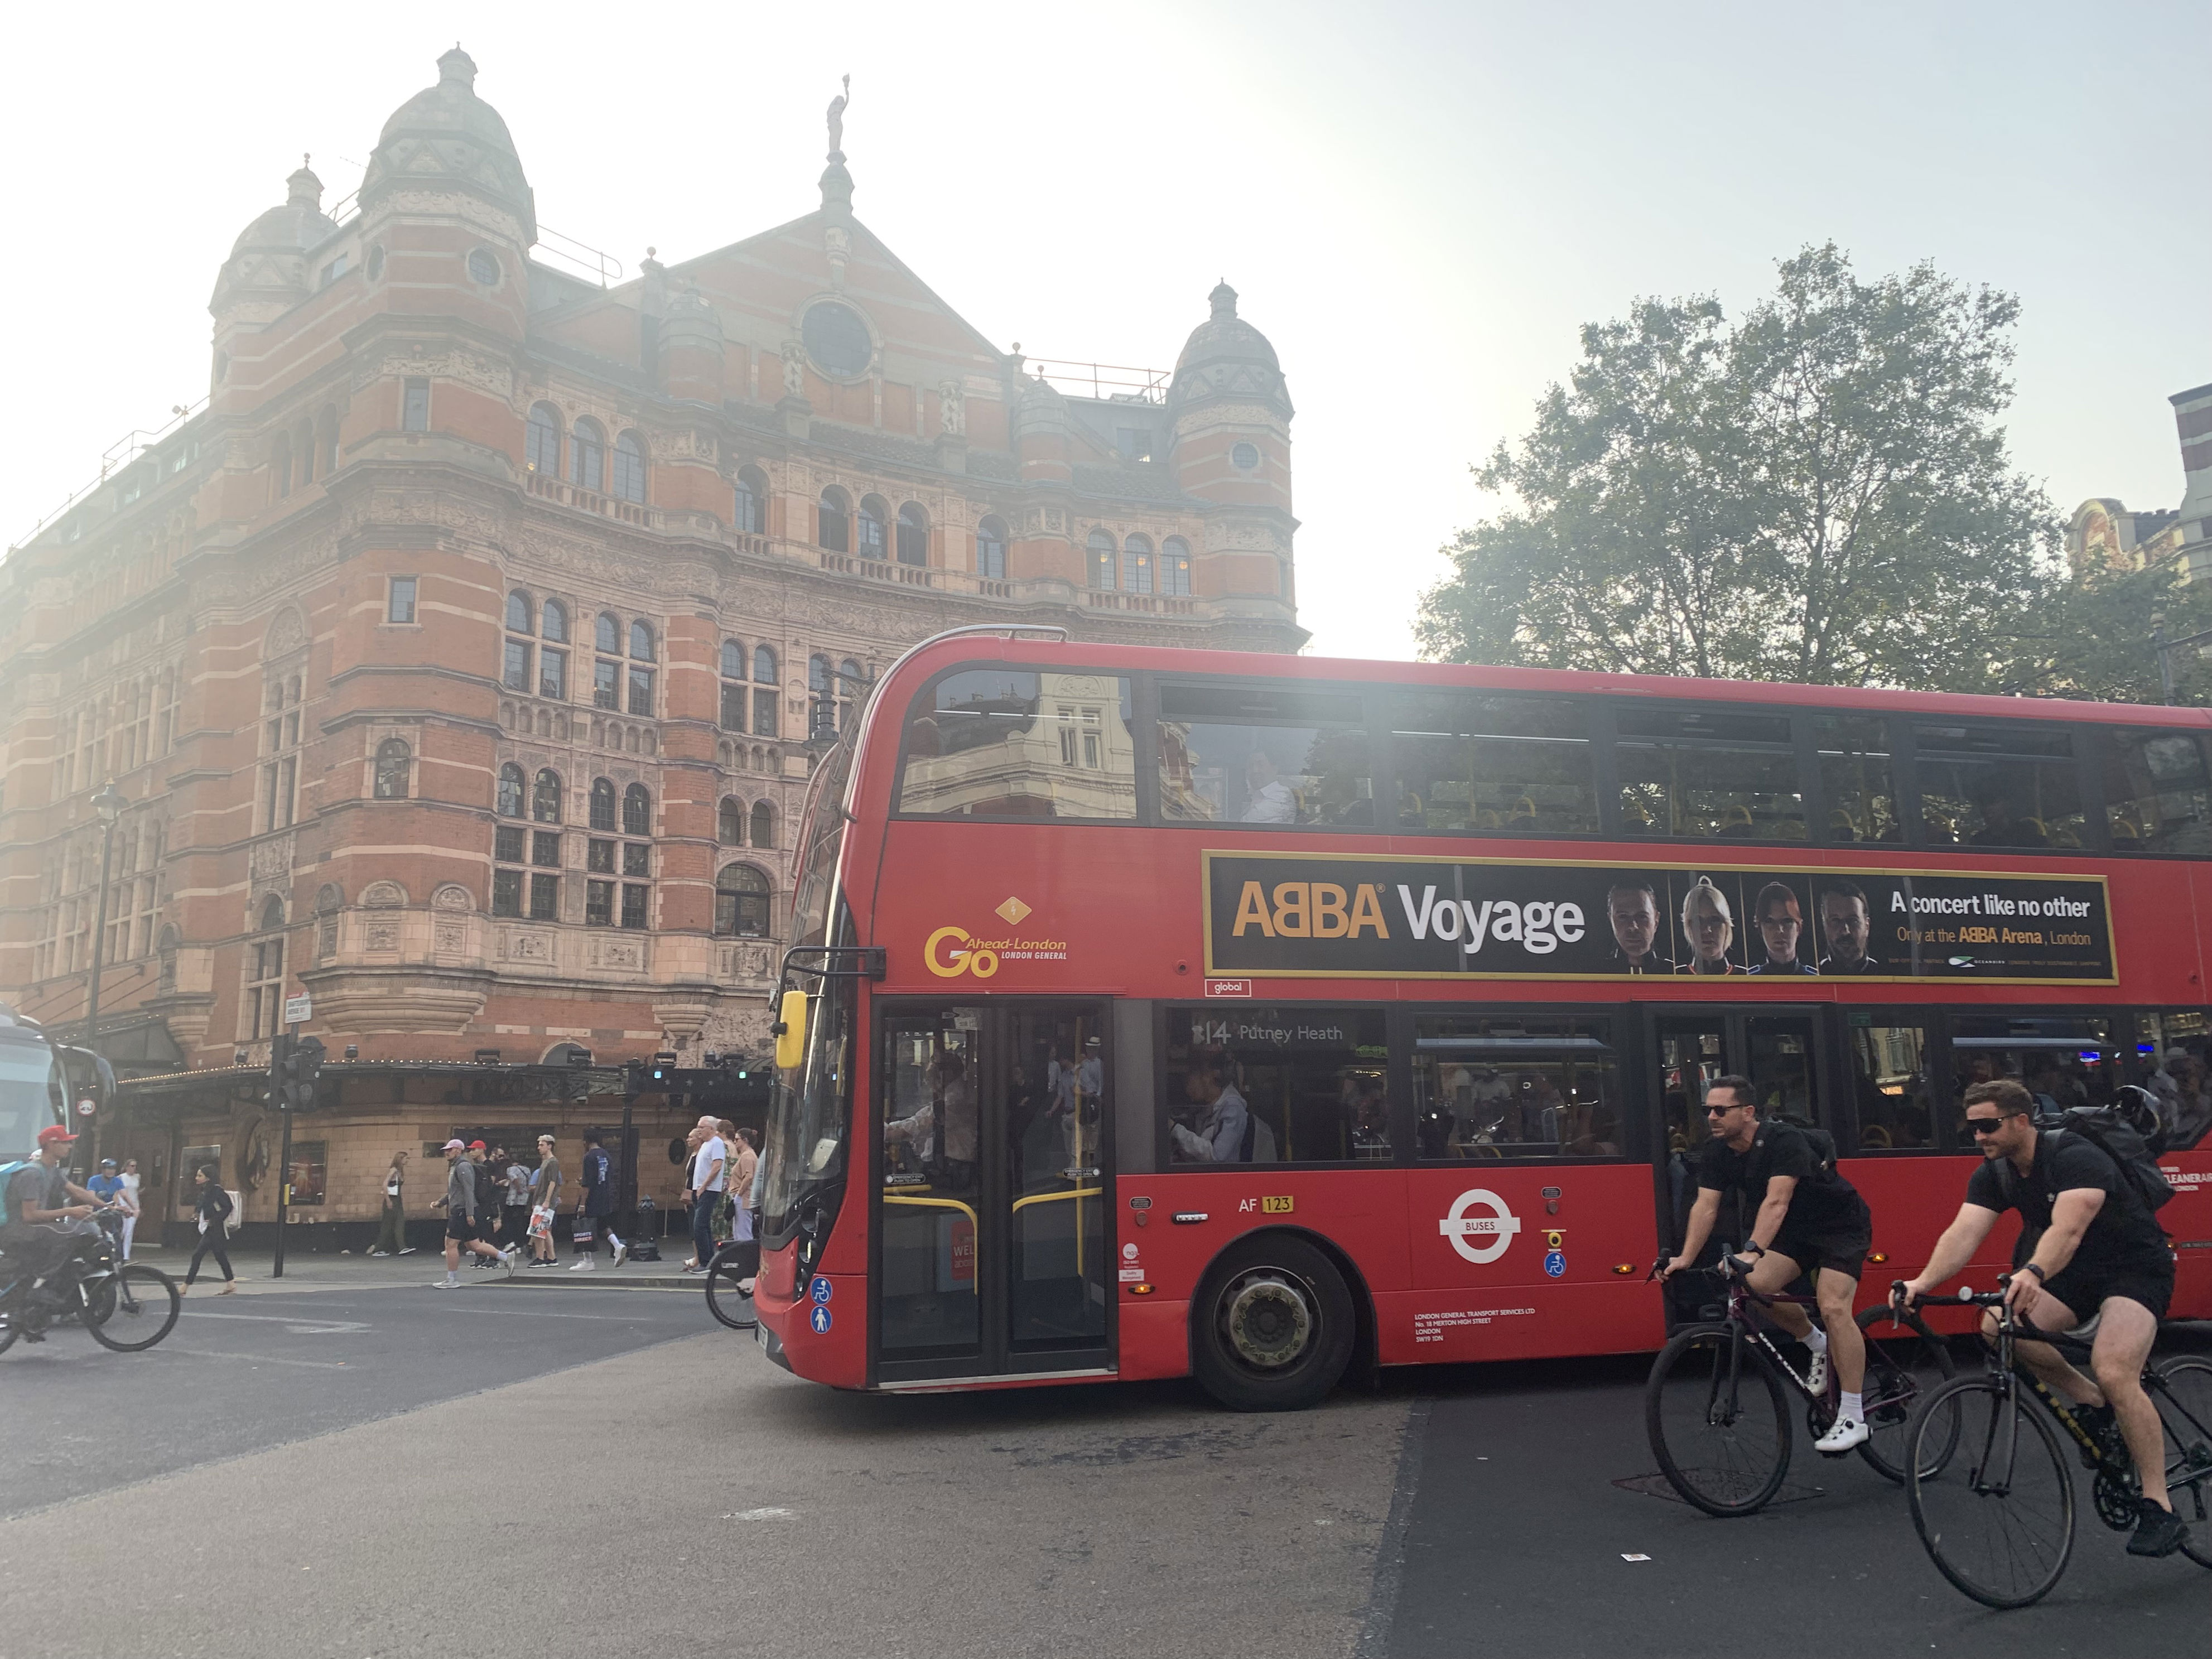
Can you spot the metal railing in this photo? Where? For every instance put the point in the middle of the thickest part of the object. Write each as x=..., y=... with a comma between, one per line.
x=117, y=456
x=1105, y=381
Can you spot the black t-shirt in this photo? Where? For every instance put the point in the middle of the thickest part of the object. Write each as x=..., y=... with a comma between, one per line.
x=1822, y=1200
x=2123, y=1234
x=35, y=1184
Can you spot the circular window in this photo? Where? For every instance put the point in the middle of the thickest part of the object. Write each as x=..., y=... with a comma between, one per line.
x=483, y=267
x=376, y=263
x=1245, y=458
x=837, y=339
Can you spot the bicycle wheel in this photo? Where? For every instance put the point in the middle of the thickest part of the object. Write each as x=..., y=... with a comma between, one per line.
x=725, y=1300
x=2184, y=1406
x=1996, y=1516
x=1906, y=1363
x=132, y=1309
x=1719, y=1421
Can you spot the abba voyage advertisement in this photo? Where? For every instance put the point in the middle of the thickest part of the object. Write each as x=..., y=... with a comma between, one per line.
x=1336, y=916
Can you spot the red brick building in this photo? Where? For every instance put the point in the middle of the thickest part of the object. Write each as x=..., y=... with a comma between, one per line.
x=462, y=660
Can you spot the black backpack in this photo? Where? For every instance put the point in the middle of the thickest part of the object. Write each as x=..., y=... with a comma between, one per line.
x=1823, y=1143
x=2128, y=1131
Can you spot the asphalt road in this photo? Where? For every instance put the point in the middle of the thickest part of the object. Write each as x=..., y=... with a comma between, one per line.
x=366, y=1473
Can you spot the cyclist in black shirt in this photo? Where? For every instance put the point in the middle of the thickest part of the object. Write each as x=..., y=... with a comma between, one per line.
x=1808, y=1220
x=2087, y=1246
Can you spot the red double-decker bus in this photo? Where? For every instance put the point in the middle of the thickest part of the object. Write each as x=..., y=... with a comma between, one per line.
x=1162, y=1011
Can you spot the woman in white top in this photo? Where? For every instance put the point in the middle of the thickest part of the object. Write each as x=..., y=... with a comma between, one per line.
x=129, y=1199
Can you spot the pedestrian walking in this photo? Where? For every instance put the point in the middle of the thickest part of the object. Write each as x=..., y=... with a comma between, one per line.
x=709, y=1164
x=548, y=1198
x=392, y=1229
x=213, y=1207
x=515, y=1183
x=745, y=1162
x=131, y=1183
x=595, y=1211
x=464, y=1215
x=106, y=1186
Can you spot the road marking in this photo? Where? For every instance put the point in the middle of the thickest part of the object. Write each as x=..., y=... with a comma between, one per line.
x=297, y=1324
x=528, y=1312
x=770, y=1513
x=264, y=1359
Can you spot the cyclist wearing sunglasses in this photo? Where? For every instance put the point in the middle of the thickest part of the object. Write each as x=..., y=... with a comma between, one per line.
x=2087, y=1246
x=1810, y=1221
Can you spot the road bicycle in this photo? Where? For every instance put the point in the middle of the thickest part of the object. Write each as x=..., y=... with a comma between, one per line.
x=726, y=1297
x=1717, y=1406
x=1991, y=1494
x=127, y=1306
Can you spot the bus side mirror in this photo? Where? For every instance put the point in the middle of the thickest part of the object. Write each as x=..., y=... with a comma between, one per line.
x=791, y=1031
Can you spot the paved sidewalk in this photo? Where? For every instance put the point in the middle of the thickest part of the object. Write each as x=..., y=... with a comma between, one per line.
x=255, y=1275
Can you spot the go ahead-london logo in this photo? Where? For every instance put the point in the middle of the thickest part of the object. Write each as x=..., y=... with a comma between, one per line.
x=953, y=950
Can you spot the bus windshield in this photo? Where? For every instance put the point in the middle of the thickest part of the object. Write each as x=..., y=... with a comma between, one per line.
x=31, y=1094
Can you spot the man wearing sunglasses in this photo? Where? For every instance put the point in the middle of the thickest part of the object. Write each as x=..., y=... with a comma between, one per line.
x=1810, y=1221
x=2087, y=1246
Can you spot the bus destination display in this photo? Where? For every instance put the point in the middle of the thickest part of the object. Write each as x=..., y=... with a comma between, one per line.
x=1426, y=918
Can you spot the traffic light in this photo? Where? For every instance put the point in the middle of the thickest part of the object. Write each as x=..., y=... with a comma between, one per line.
x=300, y=1067
x=633, y=1077
x=662, y=1072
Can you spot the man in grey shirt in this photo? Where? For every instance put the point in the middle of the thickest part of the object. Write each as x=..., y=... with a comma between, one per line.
x=465, y=1213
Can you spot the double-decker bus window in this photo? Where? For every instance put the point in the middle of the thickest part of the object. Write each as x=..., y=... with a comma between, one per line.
x=1268, y=1085
x=2172, y=1046
x=2064, y=1061
x=1513, y=1085
x=1707, y=774
x=2007, y=784
x=1779, y=1047
x=1856, y=778
x=2158, y=796
x=1892, y=1084
x=992, y=743
x=1515, y=765
x=31, y=1093
x=1254, y=754
x=930, y=1128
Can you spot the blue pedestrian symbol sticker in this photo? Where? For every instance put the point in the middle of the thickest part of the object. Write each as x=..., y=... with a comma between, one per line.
x=818, y=1317
x=820, y=1291
x=1555, y=1263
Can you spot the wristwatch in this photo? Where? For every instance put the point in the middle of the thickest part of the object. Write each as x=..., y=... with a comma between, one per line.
x=2041, y=1277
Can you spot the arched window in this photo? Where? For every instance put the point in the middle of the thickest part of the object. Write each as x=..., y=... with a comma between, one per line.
x=741, y=902
x=763, y=825
x=874, y=517
x=629, y=468
x=394, y=761
x=750, y=515
x=850, y=683
x=637, y=811
x=280, y=466
x=640, y=641
x=733, y=660
x=326, y=442
x=734, y=686
x=1137, y=564
x=913, y=534
x=509, y=805
x=587, y=455
x=729, y=821
x=518, y=613
x=545, y=797
x=603, y=804
x=1102, y=559
x=1175, y=566
x=264, y=992
x=764, y=664
x=541, y=440
x=834, y=524
x=822, y=698
x=303, y=444
x=554, y=621
x=991, y=550
x=606, y=633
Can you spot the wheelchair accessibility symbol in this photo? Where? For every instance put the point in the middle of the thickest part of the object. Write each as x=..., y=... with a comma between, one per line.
x=820, y=1290
x=1495, y=1229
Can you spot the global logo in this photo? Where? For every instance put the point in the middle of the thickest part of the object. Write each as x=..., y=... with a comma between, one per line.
x=1480, y=1238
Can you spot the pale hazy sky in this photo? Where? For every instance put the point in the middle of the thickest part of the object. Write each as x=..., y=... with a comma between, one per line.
x=1418, y=204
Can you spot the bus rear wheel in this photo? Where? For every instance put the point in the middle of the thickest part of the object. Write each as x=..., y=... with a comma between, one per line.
x=1273, y=1327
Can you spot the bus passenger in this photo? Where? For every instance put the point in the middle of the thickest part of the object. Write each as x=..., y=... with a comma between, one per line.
x=1633, y=906
x=1709, y=926
x=1221, y=1135
x=1845, y=925
x=1267, y=798
x=1780, y=926
x=952, y=1108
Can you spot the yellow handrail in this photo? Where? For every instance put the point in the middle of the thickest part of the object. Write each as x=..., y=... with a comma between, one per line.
x=1073, y=1192
x=933, y=1204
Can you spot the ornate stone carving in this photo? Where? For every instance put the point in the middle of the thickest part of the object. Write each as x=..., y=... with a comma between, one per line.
x=270, y=865
x=452, y=897
x=523, y=946
x=287, y=632
x=380, y=936
x=952, y=409
x=384, y=895
x=451, y=938
x=794, y=369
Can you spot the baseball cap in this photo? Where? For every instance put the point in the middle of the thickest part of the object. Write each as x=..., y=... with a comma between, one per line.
x=55, y=1134
x=454, y=1147
x=477, y=1146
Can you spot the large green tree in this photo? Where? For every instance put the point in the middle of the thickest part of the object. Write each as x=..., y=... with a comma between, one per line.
x=1818, y=492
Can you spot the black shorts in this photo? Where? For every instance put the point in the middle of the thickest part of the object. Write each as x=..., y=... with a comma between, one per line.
x=459, y=1229
x=2084, y=1287
x=1841, y=1245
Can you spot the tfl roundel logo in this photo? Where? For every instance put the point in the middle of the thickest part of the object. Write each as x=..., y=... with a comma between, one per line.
x=1480, y=1238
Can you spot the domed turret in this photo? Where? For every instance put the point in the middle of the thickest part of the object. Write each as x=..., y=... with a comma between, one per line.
x=267, y=271
x=1226, y=357
x=446, y=137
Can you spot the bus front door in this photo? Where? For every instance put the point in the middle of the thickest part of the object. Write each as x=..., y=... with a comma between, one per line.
x=992, y=1254
x=1777, y=1048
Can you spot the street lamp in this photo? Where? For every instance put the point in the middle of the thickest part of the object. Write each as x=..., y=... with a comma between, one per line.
x=109, y=803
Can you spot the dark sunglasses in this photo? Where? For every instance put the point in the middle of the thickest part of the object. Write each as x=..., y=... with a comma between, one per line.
x=1984, y=1126
x=1721, y=1111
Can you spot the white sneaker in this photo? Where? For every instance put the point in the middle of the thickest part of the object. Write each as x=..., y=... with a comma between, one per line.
x=585, y=1266
x=507, y=1259
x=1844, y=1434
x=450, y=1282
x=621, y=1253
x=1816, y=1374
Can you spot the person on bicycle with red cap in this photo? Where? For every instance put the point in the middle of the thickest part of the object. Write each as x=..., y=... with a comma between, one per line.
x=43, y=1228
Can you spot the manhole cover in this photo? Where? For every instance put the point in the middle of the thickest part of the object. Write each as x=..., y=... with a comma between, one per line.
x=1655, y=1484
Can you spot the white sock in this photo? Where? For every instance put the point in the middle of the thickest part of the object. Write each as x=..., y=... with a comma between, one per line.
x=1817, y=1340
x=616, y=1242
x=1850, y=1405
x=453, y=1277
